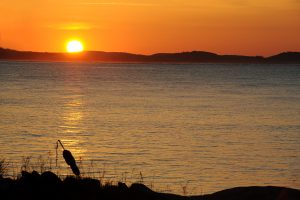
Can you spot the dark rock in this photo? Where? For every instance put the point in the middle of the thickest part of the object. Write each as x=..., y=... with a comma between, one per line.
x=36, y=177
x=122, y=186
x=5, y=184
x=49, y=178
x=25, y=174
x=253, y=193
x=90, y=184
x=140, y=188
x=29, y=179
x=35, y=173
x=49, y=186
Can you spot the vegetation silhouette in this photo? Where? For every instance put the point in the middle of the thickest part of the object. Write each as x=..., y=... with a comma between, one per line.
x=49, y=186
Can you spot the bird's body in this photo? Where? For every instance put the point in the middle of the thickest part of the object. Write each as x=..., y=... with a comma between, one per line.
x=70, y=160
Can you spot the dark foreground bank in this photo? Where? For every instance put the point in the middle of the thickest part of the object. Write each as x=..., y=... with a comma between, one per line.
x=49, y=186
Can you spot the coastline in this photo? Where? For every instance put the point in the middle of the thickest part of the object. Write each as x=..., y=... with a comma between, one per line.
x=49, y=186
x=168, y=58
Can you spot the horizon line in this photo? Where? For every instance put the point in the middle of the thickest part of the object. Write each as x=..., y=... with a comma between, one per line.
x=175, y=52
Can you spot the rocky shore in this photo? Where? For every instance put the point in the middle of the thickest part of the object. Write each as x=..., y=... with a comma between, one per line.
x=49, y=186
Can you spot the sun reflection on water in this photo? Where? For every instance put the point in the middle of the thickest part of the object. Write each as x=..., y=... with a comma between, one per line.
x=71, y=127
x=72, y=115
x=72, y=118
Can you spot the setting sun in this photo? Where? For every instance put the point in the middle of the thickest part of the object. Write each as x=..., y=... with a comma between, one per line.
x=74, y=46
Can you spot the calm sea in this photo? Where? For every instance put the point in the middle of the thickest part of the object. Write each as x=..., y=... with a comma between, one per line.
x=202, y=127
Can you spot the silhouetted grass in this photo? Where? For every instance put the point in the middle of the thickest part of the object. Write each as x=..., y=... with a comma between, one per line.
x=42, y=164
x=3, y=167
x=36, y=181
x=47, y=185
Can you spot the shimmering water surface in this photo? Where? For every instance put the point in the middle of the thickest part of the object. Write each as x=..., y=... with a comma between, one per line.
x=203, y=127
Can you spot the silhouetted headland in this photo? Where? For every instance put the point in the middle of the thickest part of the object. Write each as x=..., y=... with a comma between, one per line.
x=49, y=186
x=183, y=57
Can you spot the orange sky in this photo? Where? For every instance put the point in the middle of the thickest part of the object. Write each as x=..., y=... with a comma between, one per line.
x=249, y=27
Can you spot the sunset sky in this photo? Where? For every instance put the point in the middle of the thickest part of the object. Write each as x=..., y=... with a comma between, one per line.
x=249, y=27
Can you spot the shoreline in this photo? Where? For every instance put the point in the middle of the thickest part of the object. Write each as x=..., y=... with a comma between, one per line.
x=49, y=186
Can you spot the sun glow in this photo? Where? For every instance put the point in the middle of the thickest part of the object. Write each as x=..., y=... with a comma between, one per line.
x=74, y=46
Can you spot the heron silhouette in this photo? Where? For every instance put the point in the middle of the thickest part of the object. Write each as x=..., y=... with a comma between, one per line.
x=70, y=160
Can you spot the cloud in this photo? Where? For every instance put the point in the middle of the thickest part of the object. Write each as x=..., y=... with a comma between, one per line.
x=72, y=26
x=133, y=4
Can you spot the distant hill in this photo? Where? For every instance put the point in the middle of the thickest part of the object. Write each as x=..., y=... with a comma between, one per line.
x=287, y=57
x=183, y=57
